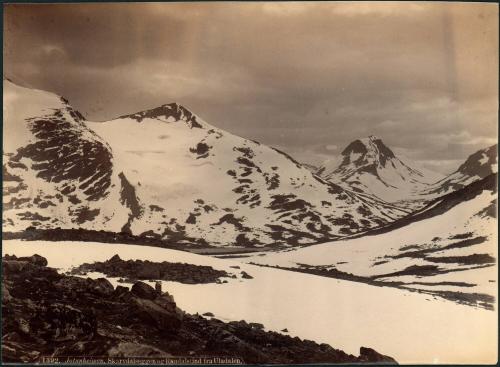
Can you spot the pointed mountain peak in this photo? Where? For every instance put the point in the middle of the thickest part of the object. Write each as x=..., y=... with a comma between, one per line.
x=170, y=112
x=370, y=150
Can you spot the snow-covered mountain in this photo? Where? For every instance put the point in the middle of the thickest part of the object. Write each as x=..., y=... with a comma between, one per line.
x=165, y=173
x=56, y=171
x=478, y=165
x=192, y=178
x=369, y=166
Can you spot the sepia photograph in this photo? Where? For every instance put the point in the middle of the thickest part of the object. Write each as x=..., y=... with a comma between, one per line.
x=250, y=183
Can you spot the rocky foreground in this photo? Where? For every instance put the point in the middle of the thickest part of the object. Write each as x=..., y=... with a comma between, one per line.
x=47, y=314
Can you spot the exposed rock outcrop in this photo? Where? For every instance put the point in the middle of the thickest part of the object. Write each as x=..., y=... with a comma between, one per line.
x=148, y=270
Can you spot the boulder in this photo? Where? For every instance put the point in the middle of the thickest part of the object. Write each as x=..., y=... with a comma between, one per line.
x=35, y=259
x=120, y=291
x=115, y=258
x=143, y=290
x=156, y=315
x=102, y=286
x=245, y=275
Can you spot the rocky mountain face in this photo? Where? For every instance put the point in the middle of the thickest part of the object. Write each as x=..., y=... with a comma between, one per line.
x=368, y=166
x=478, y=165
x=164, y=173
x=47, y=314
x=55, y=169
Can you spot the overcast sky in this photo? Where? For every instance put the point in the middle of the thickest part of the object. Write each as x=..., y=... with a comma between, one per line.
x=305, y=77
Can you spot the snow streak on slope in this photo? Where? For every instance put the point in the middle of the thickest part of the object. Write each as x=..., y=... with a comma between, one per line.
x=344, y=314
x=451, y=251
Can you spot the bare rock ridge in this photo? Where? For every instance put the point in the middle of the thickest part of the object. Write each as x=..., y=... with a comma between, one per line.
x=169, y=113
x=130, y=200
x=366, y=151
x=481, y=163
x=45, y=313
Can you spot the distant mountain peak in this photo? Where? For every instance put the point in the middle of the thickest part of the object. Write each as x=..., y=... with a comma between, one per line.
x=369, y=166
x=364, y=151
x=170, y=112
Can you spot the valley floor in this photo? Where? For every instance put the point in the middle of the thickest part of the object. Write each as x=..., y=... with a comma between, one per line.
x=451, y=255
x=411, y=327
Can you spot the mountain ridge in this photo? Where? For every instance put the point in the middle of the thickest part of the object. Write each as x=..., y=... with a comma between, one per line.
x=170, y=112
x=188, y=183
x=369, y=166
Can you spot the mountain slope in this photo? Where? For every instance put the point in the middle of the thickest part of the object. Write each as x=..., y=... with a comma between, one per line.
x=56, y=171
x=478, y=165
x=165, y=173
x=190, y=177
x=369, y=166
x=448, y=249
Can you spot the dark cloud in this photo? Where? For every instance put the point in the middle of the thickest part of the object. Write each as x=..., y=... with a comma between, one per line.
x=303, y=76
